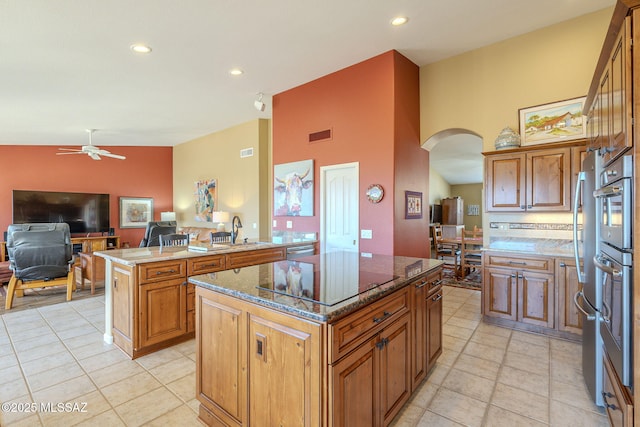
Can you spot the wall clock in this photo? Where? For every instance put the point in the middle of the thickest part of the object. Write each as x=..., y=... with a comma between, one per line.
x=375, y=193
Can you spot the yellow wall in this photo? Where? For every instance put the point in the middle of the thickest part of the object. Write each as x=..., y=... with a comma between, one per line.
x=472, y=195
x=438, y=188
x=242, y=182
x=482, y=90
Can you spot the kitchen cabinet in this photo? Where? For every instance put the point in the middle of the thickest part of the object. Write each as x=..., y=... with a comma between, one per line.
x=531, y=179
x=610, y=118
x=569, y=318
x=163, y=311
x=124, y=304
x=427, y=325
x=255, y=366
x=519, y=289
x=617, y=400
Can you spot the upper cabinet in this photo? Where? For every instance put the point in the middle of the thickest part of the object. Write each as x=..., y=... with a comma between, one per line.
x=609, y=117
x=530, y=180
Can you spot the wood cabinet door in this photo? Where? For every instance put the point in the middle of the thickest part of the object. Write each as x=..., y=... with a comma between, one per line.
x=536, y=299
x=500, y=293
x=548, y=177
x=620, y=94
x=504, y=182
x=163, y=311
x=419, y=332
x=395, y=368
x=434, y=328
x=569, y=318
x=123, y=306
x=221, y=367
x=284, y=372
x=356, y=375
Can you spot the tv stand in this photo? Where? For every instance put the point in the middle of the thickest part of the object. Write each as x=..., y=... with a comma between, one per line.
x=88, y=266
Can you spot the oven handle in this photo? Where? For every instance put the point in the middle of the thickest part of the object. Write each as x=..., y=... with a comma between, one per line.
x=579, y=294
x=576, y=202
x=608, y=191
x=597, y=260
x=606, y=318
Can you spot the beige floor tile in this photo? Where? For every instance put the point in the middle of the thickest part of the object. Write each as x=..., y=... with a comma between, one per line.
x=20, y=420
x=448, y=357
x=538, y=384
x=438, y=373
x=149, y=406
x=429, y=419
x=408, y=416
x=180, y=416
x=173, y=370
x=484, y=351
x=528, y=349
x=82, y=408
x=488, y=328
x=186, y=347
x=92, y=348
x=458, y=407
x=521, y=402
x=34, y=353
x=423, y=394
x=468, y=384
x=531, y=338
x=8, y=360
x=114, y=373
x=575, y=394
x=184, y=387
x=30, y=335
x=529, y=364
x=456, y=331
x=158, y=358
x=54, y=376
x=77, y=331
x=480, y=367
x=83, y=340
x=107, y=419
x=65, y=391
x=44, y=338
x=499, y=417
x=10, y=373
x=46, y=363
x=490, y=339
x=566, y=372
x=132, y=387
x=102, y=360
x=463, y=323
x=194, y=404
x=453, y=343
x=469, y=315
x=13, y=389
x=563, y=415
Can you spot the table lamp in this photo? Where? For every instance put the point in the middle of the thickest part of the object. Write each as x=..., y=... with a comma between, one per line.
x=220, y=217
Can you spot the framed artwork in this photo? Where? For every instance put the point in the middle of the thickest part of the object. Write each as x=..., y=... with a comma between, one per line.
x=135, y=212
x=206, y=199
x=293, y=189
x=555, y=122
x=412, y=205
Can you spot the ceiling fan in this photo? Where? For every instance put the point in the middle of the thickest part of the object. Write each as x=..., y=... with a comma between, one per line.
x=91, y=150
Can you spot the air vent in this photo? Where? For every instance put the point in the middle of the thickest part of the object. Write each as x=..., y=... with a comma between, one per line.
x=246, y=152
x=322, y=135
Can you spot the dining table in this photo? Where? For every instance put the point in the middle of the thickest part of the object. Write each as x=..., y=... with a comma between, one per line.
x=476, y=241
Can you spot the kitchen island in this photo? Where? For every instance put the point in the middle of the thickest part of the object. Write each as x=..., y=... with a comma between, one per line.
x=328, y=339
x=148, y=303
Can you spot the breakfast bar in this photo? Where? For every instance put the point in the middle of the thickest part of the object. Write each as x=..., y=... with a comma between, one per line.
x=291, y=342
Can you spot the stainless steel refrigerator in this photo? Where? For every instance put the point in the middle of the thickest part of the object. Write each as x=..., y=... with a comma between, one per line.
x=589, y=299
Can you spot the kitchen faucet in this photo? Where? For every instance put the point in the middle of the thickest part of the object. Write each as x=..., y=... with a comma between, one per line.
x=235, y=228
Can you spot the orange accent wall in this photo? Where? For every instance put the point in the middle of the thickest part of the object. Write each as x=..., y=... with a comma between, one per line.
x=372, y=109
x=147, y=172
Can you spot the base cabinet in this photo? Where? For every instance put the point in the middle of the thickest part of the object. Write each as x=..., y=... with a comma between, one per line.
x=255, y=366
x=617, y=400
x=163, y=311
x=569, y=318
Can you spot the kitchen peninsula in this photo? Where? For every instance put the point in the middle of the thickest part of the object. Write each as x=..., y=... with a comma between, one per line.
x=320, y=340
x=148, y=303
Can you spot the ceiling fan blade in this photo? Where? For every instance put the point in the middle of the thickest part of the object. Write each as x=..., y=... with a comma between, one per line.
x=70, y=149
x=70, y=152
x=115, y=156
x=94, y=156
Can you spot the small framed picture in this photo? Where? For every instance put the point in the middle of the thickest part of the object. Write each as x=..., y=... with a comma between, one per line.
x=554, y=122
x=413, y=205
x=135, y=212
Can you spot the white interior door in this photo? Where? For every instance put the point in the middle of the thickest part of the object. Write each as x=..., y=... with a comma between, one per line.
x=339, y=211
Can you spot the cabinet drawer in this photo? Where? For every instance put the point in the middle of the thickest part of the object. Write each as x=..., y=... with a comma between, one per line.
x=520, y=263
x=204, y=265
x=260, y=256
x=349, y=332
x=159, y=271
x=617, y=402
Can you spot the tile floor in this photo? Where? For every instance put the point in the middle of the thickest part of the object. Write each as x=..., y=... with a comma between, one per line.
x=486, y=376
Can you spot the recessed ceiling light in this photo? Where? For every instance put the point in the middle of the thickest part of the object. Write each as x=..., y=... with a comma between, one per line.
x=235, y=71
x=399, y=20
x=140, y=48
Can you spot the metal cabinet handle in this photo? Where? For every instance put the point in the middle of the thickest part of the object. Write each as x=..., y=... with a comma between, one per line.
x=385, y=314
x=165, y=272
x=115, y=282
x=517, y=262
x=421, y=284
x=437, y=298
x=599, y=262
x=579, y=294
x=436, y=283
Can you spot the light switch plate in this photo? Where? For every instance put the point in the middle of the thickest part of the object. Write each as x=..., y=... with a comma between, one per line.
x=275, y=223
x=289, y=224
x=366, y=255
x=366, y=234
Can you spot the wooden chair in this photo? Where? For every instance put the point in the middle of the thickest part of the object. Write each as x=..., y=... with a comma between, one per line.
x=470, y=252
x=173, y=240
x=221, y=237
x=447, y=252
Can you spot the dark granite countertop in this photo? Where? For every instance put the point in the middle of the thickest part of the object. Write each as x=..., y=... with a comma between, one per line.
x=321, y=287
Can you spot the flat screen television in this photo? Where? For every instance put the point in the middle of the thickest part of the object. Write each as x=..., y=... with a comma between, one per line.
x=84, y=212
